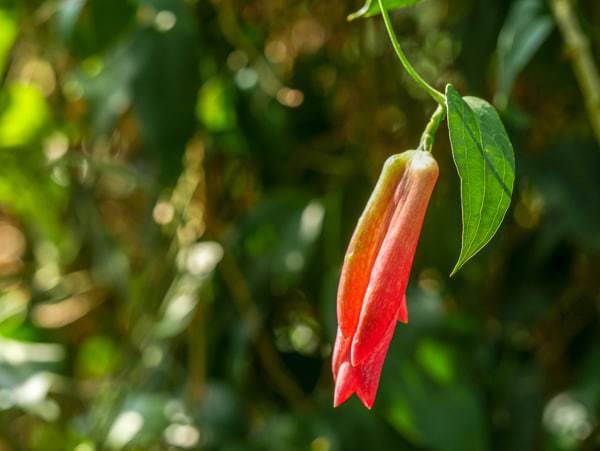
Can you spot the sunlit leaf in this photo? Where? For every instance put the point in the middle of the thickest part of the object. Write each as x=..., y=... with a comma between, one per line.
x=28, y=191
x=485, y=161
x=437, y=360
x=23, y=113
x=215, y=107
x=26, y=185
x=371, y=7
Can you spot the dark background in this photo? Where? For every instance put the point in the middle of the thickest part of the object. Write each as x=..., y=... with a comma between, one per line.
x=179, y=181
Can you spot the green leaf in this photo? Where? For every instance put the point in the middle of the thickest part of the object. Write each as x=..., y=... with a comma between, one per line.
x=371, y=7
x=23, y=114
x=8, y=33
x=215, y=108
x=526, y=28
x=485, y=161
x=437, y=361
x=166, y=84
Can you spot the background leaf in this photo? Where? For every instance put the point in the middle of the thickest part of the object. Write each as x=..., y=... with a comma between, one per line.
x=526, y=28
x=485, y=161
x=166, y=85
x=371, y=7
x=8, y=31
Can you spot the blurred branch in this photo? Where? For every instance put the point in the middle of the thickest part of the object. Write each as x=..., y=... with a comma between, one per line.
x=275, y=368
x=196, y=337
x=580, y=52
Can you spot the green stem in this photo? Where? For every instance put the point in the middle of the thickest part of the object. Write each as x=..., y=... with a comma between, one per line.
x=428, y=136
x=434, y=93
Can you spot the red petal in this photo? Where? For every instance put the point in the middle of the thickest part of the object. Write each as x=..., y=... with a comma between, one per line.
x=391, y=269
x=366, y=242
x=341, y=350
x=346, y=383
x=370, y=371
x=363, y=379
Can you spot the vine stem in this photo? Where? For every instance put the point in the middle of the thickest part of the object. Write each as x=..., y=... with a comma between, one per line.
x=428, y=136
x=579, y=51
x=434, y=93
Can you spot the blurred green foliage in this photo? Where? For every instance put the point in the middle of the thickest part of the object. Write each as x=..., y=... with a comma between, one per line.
x=178, y=183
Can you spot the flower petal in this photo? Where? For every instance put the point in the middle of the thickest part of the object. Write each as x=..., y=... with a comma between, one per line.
x=341, y=350
x=391, y=269
x=366, y=243
x=370, y=371
x=363, y=379
x=346, y=383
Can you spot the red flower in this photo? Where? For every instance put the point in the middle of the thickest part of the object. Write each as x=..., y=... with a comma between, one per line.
x=371, y=294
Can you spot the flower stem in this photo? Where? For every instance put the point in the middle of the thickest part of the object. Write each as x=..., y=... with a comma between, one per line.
x=434, y=93
x=428, y=136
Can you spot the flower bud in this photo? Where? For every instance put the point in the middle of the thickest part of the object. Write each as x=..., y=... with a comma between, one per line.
x=371, y=293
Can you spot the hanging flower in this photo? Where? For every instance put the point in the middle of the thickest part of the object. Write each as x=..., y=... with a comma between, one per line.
x=371, y=293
